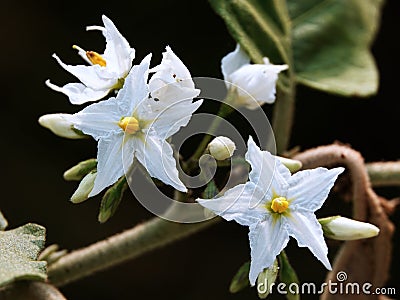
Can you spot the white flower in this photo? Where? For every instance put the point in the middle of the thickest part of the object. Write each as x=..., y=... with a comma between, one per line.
x=61, y=125
x=221, y=147
x=134, y=125
x=344, y=229
x=256, y=82
x=276, y=205
x=106, y=72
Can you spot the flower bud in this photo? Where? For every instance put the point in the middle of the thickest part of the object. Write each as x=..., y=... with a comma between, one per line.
x=292, y=164
x=85, y=187
x=3, y=222
x=60, y=125
x=221, y=147
x=78, y=171
x=251, y=85
x=344, y=229
x=265, y=280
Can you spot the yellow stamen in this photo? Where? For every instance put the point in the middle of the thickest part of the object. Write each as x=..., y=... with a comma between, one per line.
x=129, y=124
x=96, y=58
x=279, y=205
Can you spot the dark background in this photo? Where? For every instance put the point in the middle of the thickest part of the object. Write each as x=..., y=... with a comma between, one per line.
x=33, y=160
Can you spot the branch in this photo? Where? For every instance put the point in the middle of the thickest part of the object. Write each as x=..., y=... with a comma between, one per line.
x=384, y=173
x=119, y=248
x=32, y=290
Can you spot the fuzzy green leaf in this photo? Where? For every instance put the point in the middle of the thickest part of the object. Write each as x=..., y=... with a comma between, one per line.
x=325, y=42
x=19, y=250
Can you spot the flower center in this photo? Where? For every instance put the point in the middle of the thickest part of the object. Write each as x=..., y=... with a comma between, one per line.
x=96, y=58
x=279, y=205
x=129, y=124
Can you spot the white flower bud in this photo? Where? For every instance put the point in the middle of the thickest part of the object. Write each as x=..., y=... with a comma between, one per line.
x=60, y=125
x=85, y=187
x=292, y=164
x=251, y=85
x=344, y=229
x=221, y=147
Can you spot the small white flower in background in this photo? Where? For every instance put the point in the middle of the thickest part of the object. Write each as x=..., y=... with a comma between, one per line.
x=61, y=125
x=134, y=125
x=256, y=82
x=344, y=229
x=105, y=72
x=276, y=205
x=221, y=147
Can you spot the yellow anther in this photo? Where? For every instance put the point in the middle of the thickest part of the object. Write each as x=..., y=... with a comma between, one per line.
x=129, y=124
x=96, y=58
x=279, y=205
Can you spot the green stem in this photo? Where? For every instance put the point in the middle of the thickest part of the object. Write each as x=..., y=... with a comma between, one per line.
x=132, y=243
x=384, y=173
x=283, y=117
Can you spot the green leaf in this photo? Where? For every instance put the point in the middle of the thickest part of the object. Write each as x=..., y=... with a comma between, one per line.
x=287, y=275
x=326, y=43
x=111, y=200
x=19, y=250
x=3, y=222
x=241, y=279
x=210, y=191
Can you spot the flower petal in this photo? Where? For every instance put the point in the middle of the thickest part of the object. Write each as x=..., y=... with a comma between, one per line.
x=305, y=228
x=235, y=204
x=156, y=155
x=99, y=119
x=135, y=90
x=78, y=93
x=110, y=166
x=91, y=76
x=118, y=53
x=310, y=188
x=267, y=240
x=170, y=70
x=267, y=172
x=233, y=61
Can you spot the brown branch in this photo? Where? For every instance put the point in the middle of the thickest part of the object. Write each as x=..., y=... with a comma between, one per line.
x=32, y=290
x=363, y=260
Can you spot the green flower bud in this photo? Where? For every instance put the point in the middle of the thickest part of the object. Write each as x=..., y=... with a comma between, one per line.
x=221, y=147
x=111, y=200
x=265, y=279
x=344, y=229
x=80, y=170
x=292, y=164
x=85, y=187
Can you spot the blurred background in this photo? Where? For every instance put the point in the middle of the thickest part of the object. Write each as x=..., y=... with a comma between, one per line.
x=33, y=159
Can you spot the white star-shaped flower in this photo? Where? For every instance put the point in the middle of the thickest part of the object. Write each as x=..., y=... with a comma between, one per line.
x=275, y=206
x=105, y=72
x=134, y=125
x=256, y=82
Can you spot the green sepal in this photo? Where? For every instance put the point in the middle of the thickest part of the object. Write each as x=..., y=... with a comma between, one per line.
x=111, y=200
x=241, y=278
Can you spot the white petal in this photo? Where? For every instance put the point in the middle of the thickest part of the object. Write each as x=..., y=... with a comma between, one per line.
x=235, y=204
x=170, y=117
x=110, y=165
x=118, y=53
x=99, y=119
x=156, y=156
x=310, y=188
x=305, y=228
x=258, y=80
x=170, y=70
x=267, y=240
x=135, y=90
x=233, y=61
x=267, y=172
x=78, y=93
x=91, y=76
